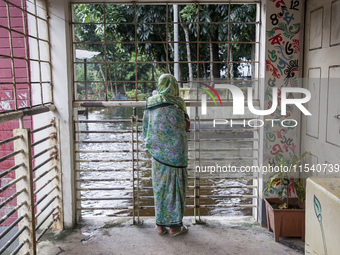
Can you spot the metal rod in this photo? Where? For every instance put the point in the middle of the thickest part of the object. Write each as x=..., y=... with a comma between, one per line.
x=17, y=249
x=10, y=139
x=46, y=183
x=105, y=132
x=11, y=56
x=43, y=174
x=104, y=208
x=5, y=217
x=11, y=198
x=45, y=207
x=103, y=198
x=161, y=23
x=24, y=10
x=43, y=163
x=44, y=151
x=44, y=219
x=13, y=115
x=2, y=189
x=41, y=128
x=11, y=170
x=43, y=140
x=109, y=160
x=122, y=141
x=111, y=170
x=228, y=140
x=227, y=158
x=44, y=196
x=14, y=223
x=48, y=226
x=107, y=151
x=226, y=187
x=8, y=156
x=111, y=179
x=115, y=188
x=102, y=121
x=10, y=241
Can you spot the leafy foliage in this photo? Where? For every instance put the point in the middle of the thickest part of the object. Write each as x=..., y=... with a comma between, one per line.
x=119, y=30
x=282, y=177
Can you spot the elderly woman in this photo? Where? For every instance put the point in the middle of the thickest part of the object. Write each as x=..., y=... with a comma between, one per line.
x=165, y=124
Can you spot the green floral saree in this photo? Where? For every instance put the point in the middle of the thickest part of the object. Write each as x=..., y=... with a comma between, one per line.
x=165, y=138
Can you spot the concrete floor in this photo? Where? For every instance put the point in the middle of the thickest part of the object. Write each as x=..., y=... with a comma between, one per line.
x=220, y=235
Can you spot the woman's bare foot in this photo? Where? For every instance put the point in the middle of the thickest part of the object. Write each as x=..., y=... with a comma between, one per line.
x=160, y=229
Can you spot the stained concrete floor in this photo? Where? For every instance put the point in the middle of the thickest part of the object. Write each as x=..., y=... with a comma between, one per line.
x=220, y=235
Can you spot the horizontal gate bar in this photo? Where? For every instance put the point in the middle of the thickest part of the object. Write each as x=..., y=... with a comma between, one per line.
x=109, y=160
x=14, y=223
x=10, y=241
x=151, y=197
x=127, y=103
x=41, y=128
x=105, y=208
x=13, y=115
x=227, y=130
x=10, y=139
x=225, y=187
x=227, y=158
x=226, y=140
x=107, y=132
x=5, y=217
x=2, y=189
x=103, y=121
x=8, y=156
x=226, y=177
x=44, y=151
x=46, y=183
x=112, y=179
x=43, y=140
x=144, y=150
x=48, y=226
x=122, y=141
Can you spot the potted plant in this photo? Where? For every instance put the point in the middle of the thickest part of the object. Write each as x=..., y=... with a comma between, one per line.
x=286, y=215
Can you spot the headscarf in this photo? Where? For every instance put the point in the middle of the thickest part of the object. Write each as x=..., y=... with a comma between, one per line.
x=164, y=124
x=168, y=93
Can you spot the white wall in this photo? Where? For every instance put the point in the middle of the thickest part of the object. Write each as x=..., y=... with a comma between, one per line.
x=61, y=58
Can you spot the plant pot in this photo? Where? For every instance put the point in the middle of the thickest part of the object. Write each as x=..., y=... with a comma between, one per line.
x=285, y=222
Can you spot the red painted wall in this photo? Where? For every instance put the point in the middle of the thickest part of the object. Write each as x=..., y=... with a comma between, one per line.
x=7, y=92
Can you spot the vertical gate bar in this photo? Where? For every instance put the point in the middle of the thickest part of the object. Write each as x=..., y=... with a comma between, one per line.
x=167, y=39
x=28, y=73
x=49, y=45
x=196, y=112
x=77, y=194
x=12, y=57
x=38, y=52
x=105, y=56
x=136, y=53
x=137, y=168
x=133, y=168
x=58, y=224
x=27, y=210
x=195, y=158
x=199, y=163
x=229, y=65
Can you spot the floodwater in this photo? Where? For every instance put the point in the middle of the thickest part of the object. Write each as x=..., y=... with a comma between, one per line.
x=122, y=197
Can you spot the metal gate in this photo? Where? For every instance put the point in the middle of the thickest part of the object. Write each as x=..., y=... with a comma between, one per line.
x=113, y=174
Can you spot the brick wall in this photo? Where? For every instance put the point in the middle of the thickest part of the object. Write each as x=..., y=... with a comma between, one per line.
x=7, y=101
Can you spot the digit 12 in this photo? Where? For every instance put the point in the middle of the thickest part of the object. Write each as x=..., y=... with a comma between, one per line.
x=294, y=5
